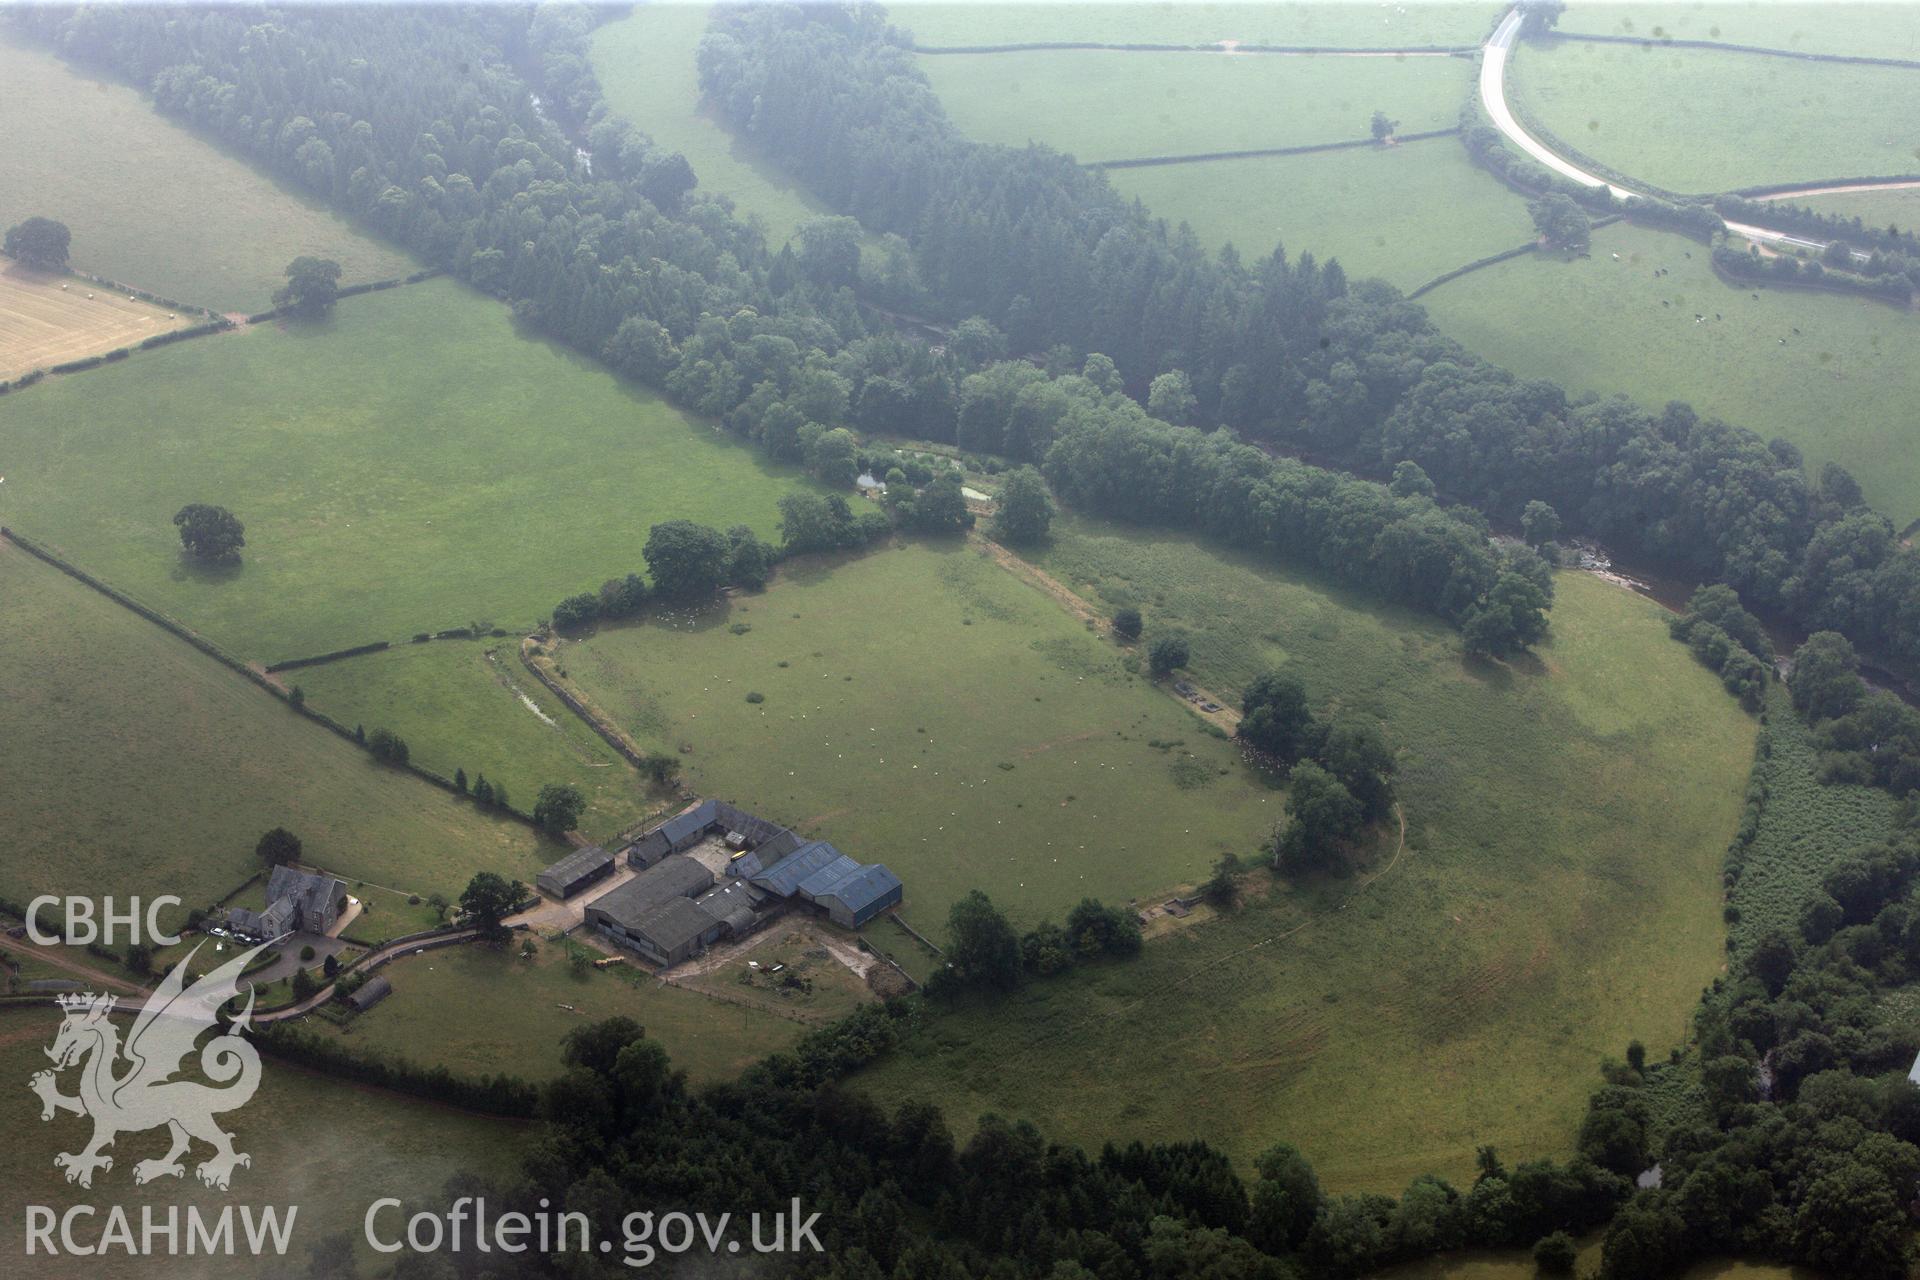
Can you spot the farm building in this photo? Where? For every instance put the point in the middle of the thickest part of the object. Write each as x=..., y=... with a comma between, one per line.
x=675, y=908
x=371, y=993
x=297, y=902
x=578, y=870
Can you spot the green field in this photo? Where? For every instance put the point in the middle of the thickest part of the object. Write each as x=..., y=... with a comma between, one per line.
x=138, y=765
x=1692, y=120
x=477, y=1011
x=1879, y=209
x=1842, y=388
x=941, y=716
x=1560, y=894
x=1877, y=30
x=324, y=1146
x=154, y=205
x=1344, y=25
x=646, y=65
x=1099, y=105
x=479, y=476
x=1406, y=214
x=463, y=704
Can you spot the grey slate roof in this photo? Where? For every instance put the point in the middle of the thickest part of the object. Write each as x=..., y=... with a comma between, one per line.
x=674, y=877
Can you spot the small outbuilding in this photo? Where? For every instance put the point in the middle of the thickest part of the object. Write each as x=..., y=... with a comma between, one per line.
x=371, y=993
x=579, y=870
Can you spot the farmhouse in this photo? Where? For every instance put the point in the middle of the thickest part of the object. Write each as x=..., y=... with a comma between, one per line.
x=577, y=871
x=677, y=906
x=297, y=902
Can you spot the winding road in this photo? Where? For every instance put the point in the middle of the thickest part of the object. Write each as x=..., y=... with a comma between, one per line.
x=1495, y=55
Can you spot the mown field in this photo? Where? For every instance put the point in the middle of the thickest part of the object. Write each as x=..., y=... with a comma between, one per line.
x=1101, y=105
x=1837, y=376
x=646, y=64
x=477, y=1011
x=326, y=1147
x=1692, y=120
x=136, y=764
x=1844, y=27
x=925, y=708
x=1336, y=25
x=1559, y=895
x=464, y=704
x=152, y=204
x=43, y=324
x=1405, y=214
x=409, y=464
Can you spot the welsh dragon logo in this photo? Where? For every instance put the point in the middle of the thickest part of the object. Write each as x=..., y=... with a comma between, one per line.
x=131, y=1087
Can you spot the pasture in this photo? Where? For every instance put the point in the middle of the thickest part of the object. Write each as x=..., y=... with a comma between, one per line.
x=1328, y=25
x=924, y=708
x=1405, y=214
x=152, y=204
x=480, y=476
x=1559, y=894
x=1100, y=105
x=478, y=1010
x=1692, y=120
x=646, y=65
x=1899, y=208
x=469, y=704
x=1835, y=375
x=328, y=1147
x=1842, y=26
x=43, y=324
x=137, y=764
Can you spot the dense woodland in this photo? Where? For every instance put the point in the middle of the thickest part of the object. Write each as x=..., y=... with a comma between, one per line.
x=1287, y=350
x=420, y=122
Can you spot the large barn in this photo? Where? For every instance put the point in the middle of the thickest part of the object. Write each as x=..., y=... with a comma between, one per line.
x=579, y=870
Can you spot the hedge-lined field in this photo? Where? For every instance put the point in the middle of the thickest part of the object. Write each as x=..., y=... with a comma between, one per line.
x=481, y=1010
x=409, y=464
x=1405, y=214
x=1327, y=25
x=1842, y=27
x=925, y=708
x=645, y=62
x=1841, y=388
x=1878, y=209
x=42, y=324
x=458, y=703
x=328, y=1147
x=1693, y=120
x=152, y=204
x=1099, y=105
x=1559, y=895
x=136, y=765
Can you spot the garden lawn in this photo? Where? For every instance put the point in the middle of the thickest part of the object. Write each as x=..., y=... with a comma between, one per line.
x=152, y=204
x=469, y=704
x=1841, y=386
x=1693, y=120
x=138, y=765
x=478, y=1011
x=1559, y=895
x=1405, y=214
x=926, y=709
x=1873, y=30
x=327, y=1147
x=646, y=64
x=1099, y=105
x=1338, y=25
x=409, y=464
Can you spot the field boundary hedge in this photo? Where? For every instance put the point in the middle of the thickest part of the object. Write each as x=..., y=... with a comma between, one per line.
x=1065, y=46
x=295, y=664
x=1492, y=259
x=1258, y=153
x=608, y=731
x=1722, y=46
x=256, y=675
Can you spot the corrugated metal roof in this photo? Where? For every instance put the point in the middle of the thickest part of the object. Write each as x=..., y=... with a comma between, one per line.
x=786, y=875
x=581, y=862
x=864, y=887
x=823, y=880
x=674, y=923
x=674, y=877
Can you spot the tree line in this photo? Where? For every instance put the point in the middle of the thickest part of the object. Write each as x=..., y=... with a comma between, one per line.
x=1287, y=350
